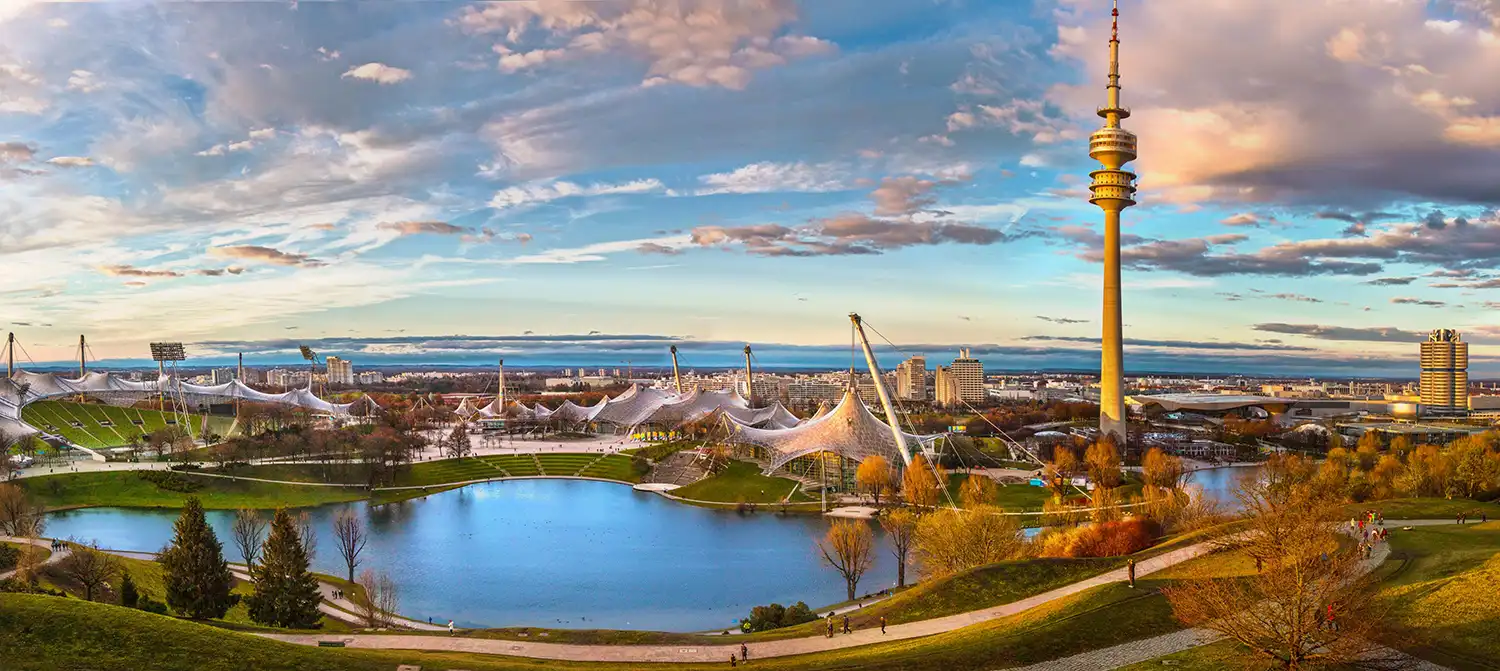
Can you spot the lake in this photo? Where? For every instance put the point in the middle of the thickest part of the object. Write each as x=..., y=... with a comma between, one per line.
x=553, y=553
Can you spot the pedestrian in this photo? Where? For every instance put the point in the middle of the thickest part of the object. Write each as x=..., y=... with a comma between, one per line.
x=846, y=624
x=830, y=625
x=1130, y=566
x=744, y=652
x=450, y=627
x=731, y=659
x=882, y=624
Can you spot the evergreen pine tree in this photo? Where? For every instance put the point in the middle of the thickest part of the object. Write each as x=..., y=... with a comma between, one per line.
x=286, y=594
x=129, y=597
x=197, y=577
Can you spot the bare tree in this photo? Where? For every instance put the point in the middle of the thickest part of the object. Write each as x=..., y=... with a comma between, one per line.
x=1310, y=604
x=381, y=599
x=249, y=533
x=901, y=528
x=89, y=567
x=350, y=537
x=849, y=548
x=18, y=517
x=307, y=534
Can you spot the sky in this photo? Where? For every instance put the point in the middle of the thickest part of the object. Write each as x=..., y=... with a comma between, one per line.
x=565, y=182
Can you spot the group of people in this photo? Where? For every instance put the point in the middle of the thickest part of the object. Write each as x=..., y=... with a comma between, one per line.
x=1463, y=517
x=57, y=545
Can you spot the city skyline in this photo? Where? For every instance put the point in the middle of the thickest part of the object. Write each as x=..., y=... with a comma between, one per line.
x=250, y=174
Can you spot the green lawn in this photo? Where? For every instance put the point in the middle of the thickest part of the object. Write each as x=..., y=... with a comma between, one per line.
x=740, y=481
x=128, y=488
x=1014, y=498
x=1427, y=508
x=447, y=471
x=1441, y=583
x=1211, y=657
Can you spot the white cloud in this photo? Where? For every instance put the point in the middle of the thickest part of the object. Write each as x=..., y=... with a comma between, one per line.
x=542, y=192
x=769, y=177
x=83, y=81
x=20, y=90
x=379, y=73
x=707, y=44
x=328, y=54
x=71, y=161
x=598, y=251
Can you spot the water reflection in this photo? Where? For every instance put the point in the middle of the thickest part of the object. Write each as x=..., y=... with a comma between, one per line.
x=560, y=553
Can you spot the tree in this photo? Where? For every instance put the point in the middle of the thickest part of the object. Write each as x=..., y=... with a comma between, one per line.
x=1280, y=613
x=380, y=600
x=89, y=567
x=849, y=548
x=350, y=538
x=18, y=517
x=949, y=540
x=129, y=595
x=1103, y=462
x=248, y=532
x=919, y=483
x=286, y=594
x=197, y=578
x=1161, y=470
x=1335, y=441
x=1060, y=471
x=307, y=534
x=874, y=476
x=1400, y=446
x=901, y=529
x=458, y=443
x=978, y=490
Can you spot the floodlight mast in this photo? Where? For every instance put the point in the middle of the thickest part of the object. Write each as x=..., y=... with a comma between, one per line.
x=10, y=355
x=82, y=366
x=163, y=352
x=676, y=377
x=749, y=378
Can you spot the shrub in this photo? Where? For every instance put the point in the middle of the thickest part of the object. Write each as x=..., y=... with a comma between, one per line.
x=130, y=597
x=171, y=481
x=9, y=556
x=776, y=616
x=1107, y=539
x=151, y=605
x=640, y=466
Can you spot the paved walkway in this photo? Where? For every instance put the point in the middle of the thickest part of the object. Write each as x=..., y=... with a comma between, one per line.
x=1135, y=652
x=1107, y=658
x=719, y=653
x=53, y=558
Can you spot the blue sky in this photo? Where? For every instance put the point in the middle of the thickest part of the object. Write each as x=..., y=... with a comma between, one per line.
x=390, y=179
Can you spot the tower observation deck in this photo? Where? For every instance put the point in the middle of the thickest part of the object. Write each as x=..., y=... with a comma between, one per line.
x=1112, y=189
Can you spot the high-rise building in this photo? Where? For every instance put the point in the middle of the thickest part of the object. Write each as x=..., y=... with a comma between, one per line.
x=944, y=387
x=968, y=372
x=911, y=379
x=223, y=375
x=340, y=371
x=1445, y=373
x=1113, y=190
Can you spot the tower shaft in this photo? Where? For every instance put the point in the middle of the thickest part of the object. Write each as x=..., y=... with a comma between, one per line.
x=749, y=378
x=1112, y=361
x=82, y=360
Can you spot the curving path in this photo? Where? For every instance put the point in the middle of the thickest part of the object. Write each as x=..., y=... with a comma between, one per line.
x=718, y=653
x=53, y=558
x=1107, y=658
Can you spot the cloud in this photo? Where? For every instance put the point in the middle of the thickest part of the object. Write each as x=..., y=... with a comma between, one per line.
x=599, y=251
x=1175, y=344
x=420, y=227
x=1388, y=109
x=264, y=254
x=1407, y=300
x=658, y=248
x=71, y=161
x=1242, y=219
x=379, y=73
x=843, y=235
x=132, y=271
x=219, y=272
x=1199, y=256
x=16, y=152
x=83, y=81
x=769, y=177
x=1391, y=281
x=696, y=44
x=1356, y=334
x=1299, y=298
x=544, y=192
x=1062, y=320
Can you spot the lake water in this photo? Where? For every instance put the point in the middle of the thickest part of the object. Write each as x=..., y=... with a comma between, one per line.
x=554, y=553
x=1220, y=483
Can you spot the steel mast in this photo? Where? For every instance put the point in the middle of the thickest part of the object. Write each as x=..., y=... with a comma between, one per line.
x=885, y=398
